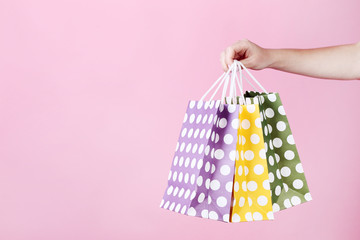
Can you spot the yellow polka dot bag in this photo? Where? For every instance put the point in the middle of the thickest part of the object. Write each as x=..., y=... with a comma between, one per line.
x=229, y=164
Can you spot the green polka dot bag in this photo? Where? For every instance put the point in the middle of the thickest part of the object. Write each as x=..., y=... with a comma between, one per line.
x=287, y=179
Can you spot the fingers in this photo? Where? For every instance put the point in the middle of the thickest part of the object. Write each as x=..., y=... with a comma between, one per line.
x=222, y=60
x=235, y=51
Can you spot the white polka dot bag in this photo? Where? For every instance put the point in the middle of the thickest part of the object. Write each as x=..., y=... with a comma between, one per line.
x=219, y=170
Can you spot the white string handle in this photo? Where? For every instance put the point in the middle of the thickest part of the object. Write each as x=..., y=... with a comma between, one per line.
x=221, y=79
x=240, y=85
x=251, y=76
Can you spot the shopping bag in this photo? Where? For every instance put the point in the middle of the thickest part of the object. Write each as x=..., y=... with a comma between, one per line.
x=252, y=196
x=286, y=175
x=201, y=177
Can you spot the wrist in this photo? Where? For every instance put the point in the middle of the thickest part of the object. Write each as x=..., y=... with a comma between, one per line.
x=273, y=58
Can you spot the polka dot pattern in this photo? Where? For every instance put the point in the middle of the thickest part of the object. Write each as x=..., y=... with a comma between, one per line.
x=286, y=175
x=252, y=194
x=191, y=171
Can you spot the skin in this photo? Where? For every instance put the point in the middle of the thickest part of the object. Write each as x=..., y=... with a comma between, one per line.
x=335, y=62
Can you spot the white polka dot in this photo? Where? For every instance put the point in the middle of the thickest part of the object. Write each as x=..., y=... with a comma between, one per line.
x=192, y=118
x=245, y=124
x=308, y=197
x=213, y=168
x=252, y=186
x=277, y=158
x=201, y=149
x=254, y=138
x=199, y=104
x=202, y=133
x=265, y=131
x=191, y=211
x=204, y=119
x=193, y=194
x=281, y=126
x=207, y=183
x=285, y=171
x=183, y=210
x=167, y=204
x=199, y=180
x=183, y=132
x=258, y=122
x=277, y=142
x=212, y=153
x=262, y=153
x=187, y=194
x=281, y=110
x=241, y=201
x=169, y=190
x=262, y=200
x=231, y=108
x=180, y=178
x=289, y=155
x=287, y=203
x=298, y=184
x=186, y=178
x=221, y=107
x=185, y=118
x=250, y=108
x=249, y=155
x=290, y=139
x=210, y=119
x=194, y=149
x=269, y=113
x=235, y=218
x=217, y=138
x=286, y=188
x=266, y=184
x=226, y=217
x=243, y=185
x=181, y=192
x=271, y=160
x=201, y=197
x=196, y=133
x=215, y=185
x=236, y=186
x=246, y=170
x=229, y=186
x=250, y=201
x=174, y=176
x=182, y=147
x=219, y=154
x=192, y=104
x=225, y=170
x=258, y=169
x=208, y=133
x=190, y=133
x=198, y=119
x=295, y=200
x=272, y=97
x=205, y=213
x=257, y=216
x=228, y=139
x=278, y=175
x=221, y=201
x=270, y=215
x=207, y=166
x=277, y=190
x=248, y=216
x=299, y=168
x=213, y=215
x=192, y=179
x=269, y=128
x=162, y=203
x=243, y=140
x=271, y=177
x=276, y=207
x=232, y=155
x=222, y=123
x=240, y=170
x=235, y=123
x=200, y=164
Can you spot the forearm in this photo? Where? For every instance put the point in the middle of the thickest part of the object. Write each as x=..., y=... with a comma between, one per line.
x=337, y=62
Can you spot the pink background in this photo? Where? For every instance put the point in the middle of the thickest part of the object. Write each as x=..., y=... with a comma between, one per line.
x=92, y=98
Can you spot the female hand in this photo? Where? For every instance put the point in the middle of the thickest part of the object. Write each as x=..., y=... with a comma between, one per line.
x=248, y=53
